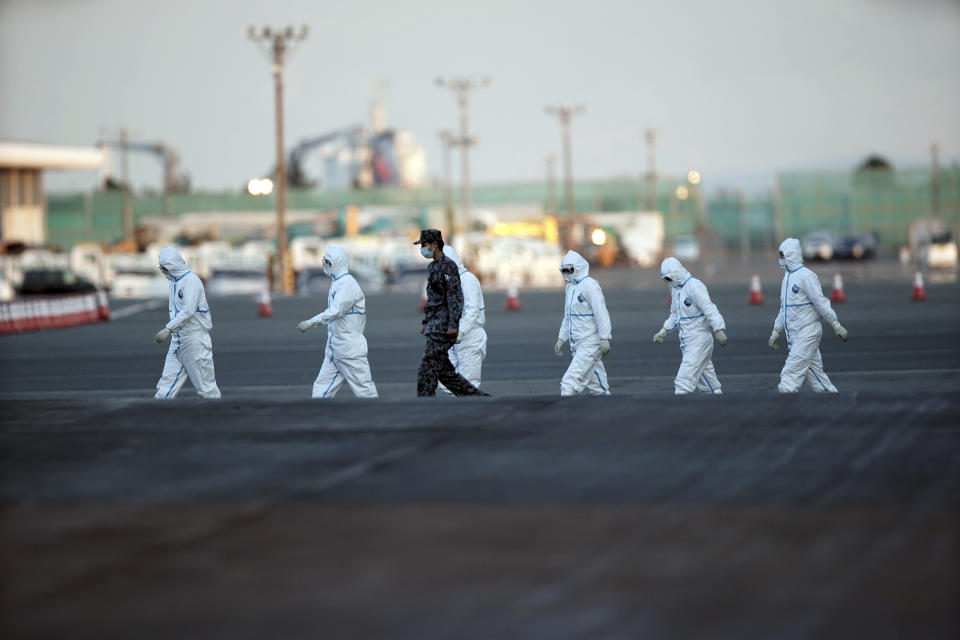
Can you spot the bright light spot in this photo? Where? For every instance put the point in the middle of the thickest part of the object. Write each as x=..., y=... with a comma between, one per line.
x=693, y=177
x=599, y=237
x=260, y=187
x=682, y=193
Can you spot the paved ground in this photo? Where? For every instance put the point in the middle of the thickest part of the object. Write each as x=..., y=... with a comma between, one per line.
x=524, y=515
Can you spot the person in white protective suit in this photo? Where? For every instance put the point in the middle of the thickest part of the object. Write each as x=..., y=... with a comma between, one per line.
x=191, y=351
x=697, y=321
x=802, y=304
x=468, y=353
x=586, y=326
x=345, y=356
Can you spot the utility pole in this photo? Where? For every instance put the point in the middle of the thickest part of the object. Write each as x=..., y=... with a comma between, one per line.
x=566, y=113
x=125, y=179
x=935, y=178
x=276, y=45
x=551, y=184
x=462, y=86
x=447, y=141
x=650, y=134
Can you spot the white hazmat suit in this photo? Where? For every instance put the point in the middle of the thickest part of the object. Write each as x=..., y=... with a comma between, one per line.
x=191, y=351
x=802, y=304
x=468, y=353
x=586, y=326
x=345, y=357
x=696, y=320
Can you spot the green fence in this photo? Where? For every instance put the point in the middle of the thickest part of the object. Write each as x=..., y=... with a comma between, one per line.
x=883, y=202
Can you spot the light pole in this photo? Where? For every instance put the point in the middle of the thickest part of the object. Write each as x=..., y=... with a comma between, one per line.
x=462, y=86
x=935, y=178
x=566, y=113
x=650, y=134
x=551, y=184
x=447, y=143
x=276, y=45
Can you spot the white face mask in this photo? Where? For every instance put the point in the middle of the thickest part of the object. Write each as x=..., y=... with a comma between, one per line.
x=327, y=268
x=782, y=261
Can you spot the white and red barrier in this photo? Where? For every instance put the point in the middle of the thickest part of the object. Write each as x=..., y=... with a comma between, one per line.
x=53, y=312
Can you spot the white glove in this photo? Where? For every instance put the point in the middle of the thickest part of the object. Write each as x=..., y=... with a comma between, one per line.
x=658, y=336
x=840, y=331
x=773, y=339
x=304, y=326
x=721, y=337
x=604, y=347
x=459, y=336
x=558, y=348
x=162, y=335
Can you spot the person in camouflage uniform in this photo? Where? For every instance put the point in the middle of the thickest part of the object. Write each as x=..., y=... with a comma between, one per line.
x=441, y=321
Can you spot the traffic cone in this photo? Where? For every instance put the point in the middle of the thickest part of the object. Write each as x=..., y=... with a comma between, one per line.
x=838, y=294
x=919, y=293
x=265, y=310
x=103, y=306
x=513, y=299
x=756, y=292
x=423, y=297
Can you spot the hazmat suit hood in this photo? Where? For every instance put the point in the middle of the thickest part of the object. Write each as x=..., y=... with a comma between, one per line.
x=792, y=254
x=451, y=253
x=581, y=268
x=172, y=261
x=339, y=261
x=673, y=269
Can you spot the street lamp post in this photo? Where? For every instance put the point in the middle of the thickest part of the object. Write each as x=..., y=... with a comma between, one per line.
x=278, y=46
x=650, y=134
x=462, y=86
x=447, y=142
x=565, y=113
x=551, y=184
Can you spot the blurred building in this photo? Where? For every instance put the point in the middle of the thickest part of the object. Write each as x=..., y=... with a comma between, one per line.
x=23, y=203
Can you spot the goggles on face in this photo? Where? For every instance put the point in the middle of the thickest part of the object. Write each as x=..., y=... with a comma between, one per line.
x=567, y=269
x=164, y=270
x=327, y=263
x=667, y=278
x=781, y=254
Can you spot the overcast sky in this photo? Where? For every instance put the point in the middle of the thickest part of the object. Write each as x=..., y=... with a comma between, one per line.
x=737, y=89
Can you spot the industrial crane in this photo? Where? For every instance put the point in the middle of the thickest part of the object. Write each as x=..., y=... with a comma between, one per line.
x=171, y=162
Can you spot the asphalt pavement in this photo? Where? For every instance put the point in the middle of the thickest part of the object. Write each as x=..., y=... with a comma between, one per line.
x=523, y=515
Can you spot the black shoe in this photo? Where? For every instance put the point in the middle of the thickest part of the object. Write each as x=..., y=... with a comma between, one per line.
x=484, y=394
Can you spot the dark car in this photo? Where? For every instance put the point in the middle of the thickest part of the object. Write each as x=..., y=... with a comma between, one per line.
x=856, y=246
x=53, y=281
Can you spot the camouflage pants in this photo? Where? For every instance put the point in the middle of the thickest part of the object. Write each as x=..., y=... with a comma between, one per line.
x=436, y=365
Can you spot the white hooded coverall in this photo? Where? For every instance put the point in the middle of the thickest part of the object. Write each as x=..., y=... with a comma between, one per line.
x=467, y=356
x=802, y=304
x=191, y=352
x=345, y=357
x=695, y=318
x=585, y=323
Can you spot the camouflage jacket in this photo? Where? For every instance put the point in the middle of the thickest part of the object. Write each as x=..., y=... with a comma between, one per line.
x=444, y=297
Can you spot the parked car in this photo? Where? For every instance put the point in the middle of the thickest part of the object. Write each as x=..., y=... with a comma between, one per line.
x=686, y=248
x=53, y=281
x=227, y=282
x=856, y=246
x=817, y=245
x=941, y=252
x=139, y=282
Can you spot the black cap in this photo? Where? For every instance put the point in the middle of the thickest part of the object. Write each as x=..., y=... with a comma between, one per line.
x=430, y=235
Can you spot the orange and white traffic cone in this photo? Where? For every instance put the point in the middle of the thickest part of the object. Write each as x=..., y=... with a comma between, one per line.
x=103, y=306
x=838, y=294
x=919, y=293
x=265, y=309
x=756, y=292
x=513, y=299
x=423, y=298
